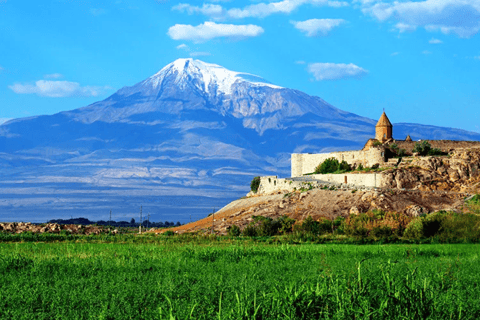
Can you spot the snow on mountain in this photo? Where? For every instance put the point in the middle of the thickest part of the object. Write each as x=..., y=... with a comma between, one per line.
x=185, y=140
x=211, y=78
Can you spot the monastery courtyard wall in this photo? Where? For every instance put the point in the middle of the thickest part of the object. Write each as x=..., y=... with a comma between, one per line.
x=303, y=163
x=270, y=184
x=443, y=145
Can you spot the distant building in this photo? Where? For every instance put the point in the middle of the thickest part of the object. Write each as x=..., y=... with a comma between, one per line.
x=383, y=129
x=376, y=151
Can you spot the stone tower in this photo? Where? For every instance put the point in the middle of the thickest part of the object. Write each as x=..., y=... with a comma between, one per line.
x=383, y=129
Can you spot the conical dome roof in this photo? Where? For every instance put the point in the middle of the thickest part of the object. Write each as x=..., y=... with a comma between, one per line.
x=383, y=121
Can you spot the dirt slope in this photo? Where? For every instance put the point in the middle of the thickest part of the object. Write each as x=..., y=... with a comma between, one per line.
x=324, y=203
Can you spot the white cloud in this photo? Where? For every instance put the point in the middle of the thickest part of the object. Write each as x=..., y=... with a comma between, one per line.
x=402, y=27
x=182, y=46
x=426, y=52
x=300, y=62
x=200, y=54
x=53, y=76
x=395, y=54
x=258, y=10
x=477, y=57
x=57, y=89
x=210, y=30
x=335, y=71
x=435, y=41
x=317, y=27
x=211, y=10
x=461, y=17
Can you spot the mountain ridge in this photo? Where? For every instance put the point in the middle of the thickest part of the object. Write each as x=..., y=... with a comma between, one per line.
x=141, y=146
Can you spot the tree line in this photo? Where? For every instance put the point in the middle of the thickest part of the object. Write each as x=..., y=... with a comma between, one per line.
x=120, y=224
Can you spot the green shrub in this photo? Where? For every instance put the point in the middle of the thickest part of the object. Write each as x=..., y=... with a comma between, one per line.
x=310, y=226
x=234, y=231
x=266, y=226
x=422, y=148
x=330, y=165
x=286, y=224
x=414, y=229
x=338, y=225
x=460, y=226
x=255, y=184
x=381, y=231
x=360, y=167
x=401, y=153
x=474, y=204
x=250, y=231
x=432, y=223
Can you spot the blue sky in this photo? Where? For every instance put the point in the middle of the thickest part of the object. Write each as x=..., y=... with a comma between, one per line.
x=420, y=60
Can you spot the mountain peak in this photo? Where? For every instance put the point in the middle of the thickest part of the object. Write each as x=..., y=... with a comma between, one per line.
x=206, y=76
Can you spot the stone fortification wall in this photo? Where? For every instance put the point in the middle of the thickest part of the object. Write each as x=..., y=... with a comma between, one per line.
x=303, y=163
x=371, y=180
x=444, y=145
x=271, y=184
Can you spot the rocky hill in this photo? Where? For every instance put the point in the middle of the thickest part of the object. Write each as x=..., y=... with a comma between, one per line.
x=457, y=172
x=419, y=185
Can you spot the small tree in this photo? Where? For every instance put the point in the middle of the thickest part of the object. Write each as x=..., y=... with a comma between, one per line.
x=344, y=166
x=255, y=184
x=422, y=148
x=234, y=231
x=328, y=166
x=286, y=224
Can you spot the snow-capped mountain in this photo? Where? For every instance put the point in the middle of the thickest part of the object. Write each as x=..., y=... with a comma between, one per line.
x=191, y=85
x=185, y=140
x=210, y=78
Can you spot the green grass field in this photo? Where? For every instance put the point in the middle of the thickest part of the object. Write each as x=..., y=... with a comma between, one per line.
x=227, y=279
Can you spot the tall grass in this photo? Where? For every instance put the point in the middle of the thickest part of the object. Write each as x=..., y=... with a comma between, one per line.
x=237, y=280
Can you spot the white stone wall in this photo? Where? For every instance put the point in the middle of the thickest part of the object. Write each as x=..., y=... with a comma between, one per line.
x=270, y=184
x=302, y=163
x=372, y=180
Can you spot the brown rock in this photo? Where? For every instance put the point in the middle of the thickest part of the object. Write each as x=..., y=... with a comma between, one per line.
x=415, y=210
x=354, y=210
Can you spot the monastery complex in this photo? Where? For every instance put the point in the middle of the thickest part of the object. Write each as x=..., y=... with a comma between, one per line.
x=377, y=152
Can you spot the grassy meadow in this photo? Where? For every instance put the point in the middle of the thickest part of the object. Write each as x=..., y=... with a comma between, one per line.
x=147, y=277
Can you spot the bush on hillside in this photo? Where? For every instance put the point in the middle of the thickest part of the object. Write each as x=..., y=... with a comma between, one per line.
x=233, y=231
x=414, y=229
x=332, y=165
x=311, y=226
x=286, y=224
x=422, y=148
x=376, y=224
x=255, y=184
x=264, y=226
x=444, y=225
